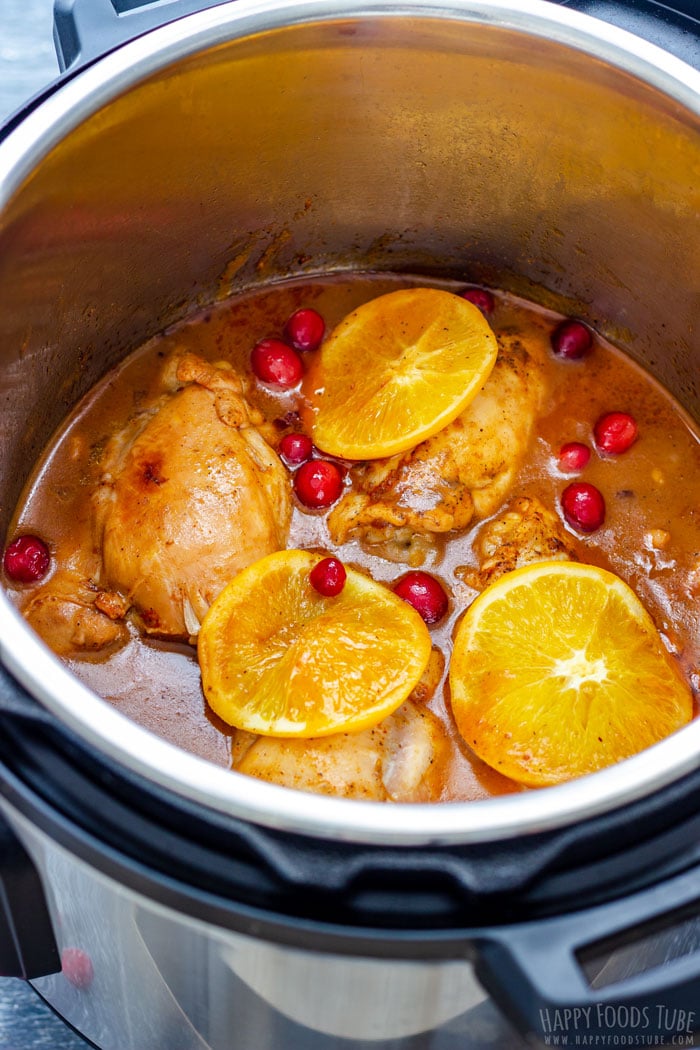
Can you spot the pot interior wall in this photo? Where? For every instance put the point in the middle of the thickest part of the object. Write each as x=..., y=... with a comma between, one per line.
x=409, y=143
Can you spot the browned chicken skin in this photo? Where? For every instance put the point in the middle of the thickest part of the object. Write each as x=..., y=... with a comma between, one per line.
x=461, y=473
x=67, y=613
x=191, y=494
x=524, y=533
x=399, y=760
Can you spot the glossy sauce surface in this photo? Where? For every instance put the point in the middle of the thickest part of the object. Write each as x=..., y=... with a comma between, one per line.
x=651, y=534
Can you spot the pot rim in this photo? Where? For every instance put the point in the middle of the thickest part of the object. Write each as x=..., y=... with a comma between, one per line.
x=101, y=725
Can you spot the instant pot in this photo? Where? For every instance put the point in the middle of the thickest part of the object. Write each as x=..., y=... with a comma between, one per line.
x=156, y=901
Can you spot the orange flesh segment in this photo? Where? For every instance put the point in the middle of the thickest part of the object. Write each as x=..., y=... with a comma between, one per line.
x=558, y=671
x=279, y=659
x=397, y=370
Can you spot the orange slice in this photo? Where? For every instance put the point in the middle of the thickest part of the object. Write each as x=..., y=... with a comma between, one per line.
x=396, y=371
x=558, y=671
x=278, y=658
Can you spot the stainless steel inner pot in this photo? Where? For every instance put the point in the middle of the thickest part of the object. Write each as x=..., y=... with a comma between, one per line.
x=517, y=144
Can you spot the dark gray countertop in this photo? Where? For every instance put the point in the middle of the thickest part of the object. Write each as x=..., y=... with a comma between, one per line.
x=26, y=1022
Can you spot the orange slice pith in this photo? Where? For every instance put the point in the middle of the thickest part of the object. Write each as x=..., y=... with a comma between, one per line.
x=396, y=371
x=279, y=659
x=558, y=671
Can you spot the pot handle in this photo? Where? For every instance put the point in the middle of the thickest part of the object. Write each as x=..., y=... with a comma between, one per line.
x=673, y=26
x=87, y=29
x=618, y=974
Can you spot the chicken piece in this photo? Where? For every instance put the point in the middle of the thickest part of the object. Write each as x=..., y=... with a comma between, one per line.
x=73, y=616
x=192, y=493
x=399, y=760
x=430, y=679
x=462, y=472
x=526, y=532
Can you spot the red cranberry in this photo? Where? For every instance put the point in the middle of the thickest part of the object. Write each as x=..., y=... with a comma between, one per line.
x=573, y=457
x=571, y=339
x=424, y=593
x=276, y=363
x=481, y=298
x=26, y=559
x=296, y=449
x=615, y=432
x=76, y=967
x=328, y=577
x=305, y=329
x=318, y=483
x=583, y=506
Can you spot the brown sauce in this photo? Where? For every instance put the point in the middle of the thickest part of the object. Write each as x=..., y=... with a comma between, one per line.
x=651, y=536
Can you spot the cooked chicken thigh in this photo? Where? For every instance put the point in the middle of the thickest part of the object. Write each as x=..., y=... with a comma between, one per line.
x=73, y=615
x=461, y=473
x=525, y=532
x=191, y=494
x=400, y=760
